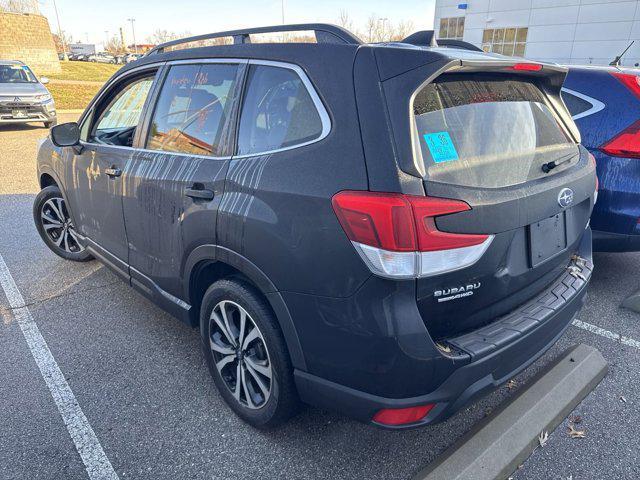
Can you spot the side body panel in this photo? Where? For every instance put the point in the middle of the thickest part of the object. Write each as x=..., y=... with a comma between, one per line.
x=276, y=210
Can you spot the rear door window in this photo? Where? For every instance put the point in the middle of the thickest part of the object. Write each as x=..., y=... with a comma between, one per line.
x=192, y=110
x=278, y=111
x=488, y=131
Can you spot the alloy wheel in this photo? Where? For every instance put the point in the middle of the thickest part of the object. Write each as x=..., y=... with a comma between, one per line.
x=240, y=354
x=58, y=226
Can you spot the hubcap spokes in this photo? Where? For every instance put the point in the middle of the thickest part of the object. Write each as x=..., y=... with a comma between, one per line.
x=240, y=354
x=58, y=226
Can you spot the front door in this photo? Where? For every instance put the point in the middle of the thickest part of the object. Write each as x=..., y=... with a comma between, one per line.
x=173, y=184
x=95, y=172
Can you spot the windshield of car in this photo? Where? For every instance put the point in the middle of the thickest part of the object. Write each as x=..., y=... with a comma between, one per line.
x=16, y=74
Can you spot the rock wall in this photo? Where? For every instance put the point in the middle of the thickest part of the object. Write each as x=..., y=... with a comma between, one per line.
x=27, y=37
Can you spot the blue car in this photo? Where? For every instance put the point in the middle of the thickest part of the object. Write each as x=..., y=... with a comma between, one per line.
x=605, y=104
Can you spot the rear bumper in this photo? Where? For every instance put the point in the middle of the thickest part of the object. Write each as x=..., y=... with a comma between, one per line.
x=485, y=358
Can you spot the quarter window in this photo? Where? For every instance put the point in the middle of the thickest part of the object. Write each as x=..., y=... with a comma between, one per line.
x=192, y=110
x=117, y=123
x=278, y=111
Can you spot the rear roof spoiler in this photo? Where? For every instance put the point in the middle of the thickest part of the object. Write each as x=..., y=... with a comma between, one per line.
x=325, y=33
x=443, y=42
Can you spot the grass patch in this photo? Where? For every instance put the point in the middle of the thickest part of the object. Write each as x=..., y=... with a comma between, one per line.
x=69, y=96
x=85, y=71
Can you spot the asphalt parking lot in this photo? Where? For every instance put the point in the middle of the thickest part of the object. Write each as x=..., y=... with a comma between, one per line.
x=139, y=378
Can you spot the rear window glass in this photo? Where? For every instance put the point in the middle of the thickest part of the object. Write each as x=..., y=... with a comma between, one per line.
x=487, y=131
x=278, y=111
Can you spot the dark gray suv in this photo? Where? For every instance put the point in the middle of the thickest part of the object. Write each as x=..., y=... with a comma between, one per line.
x=389, y=230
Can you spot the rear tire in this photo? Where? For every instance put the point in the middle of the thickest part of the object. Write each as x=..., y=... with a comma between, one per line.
x=53, y=221
x=266, y=396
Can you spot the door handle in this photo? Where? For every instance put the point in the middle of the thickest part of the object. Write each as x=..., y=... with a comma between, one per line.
x=113, y=172
x=199, y=193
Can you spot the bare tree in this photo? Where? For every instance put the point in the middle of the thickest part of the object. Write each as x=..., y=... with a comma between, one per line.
x=114, y=46
x=62, y=41
x=377, y=29
x=20, y=6
x=401, y=30
x=344, y=20
x=162, y=36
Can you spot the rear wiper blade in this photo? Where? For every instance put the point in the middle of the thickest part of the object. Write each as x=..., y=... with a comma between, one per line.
x=547, y=167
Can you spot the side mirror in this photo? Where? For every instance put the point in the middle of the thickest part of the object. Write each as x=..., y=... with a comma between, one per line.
x=44, y=80
x=66, y=134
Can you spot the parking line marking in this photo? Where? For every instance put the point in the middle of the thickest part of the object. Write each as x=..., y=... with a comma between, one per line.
x=87, y=444
x=606, y=333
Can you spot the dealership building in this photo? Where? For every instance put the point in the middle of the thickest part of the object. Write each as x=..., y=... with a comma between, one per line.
x=561, y=31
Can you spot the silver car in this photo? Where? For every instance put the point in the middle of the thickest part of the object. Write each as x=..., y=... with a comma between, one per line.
x=24, y=98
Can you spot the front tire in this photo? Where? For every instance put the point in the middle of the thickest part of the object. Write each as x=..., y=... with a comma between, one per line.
x=246, y=354
x=54, y=224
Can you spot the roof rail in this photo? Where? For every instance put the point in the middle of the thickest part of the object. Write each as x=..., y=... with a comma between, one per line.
x=325, y=33
x=443, y=42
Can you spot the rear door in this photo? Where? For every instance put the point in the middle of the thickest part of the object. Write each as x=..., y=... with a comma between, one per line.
x=173, y=183
x=497, y=142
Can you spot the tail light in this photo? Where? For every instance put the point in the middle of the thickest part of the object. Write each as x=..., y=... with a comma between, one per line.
x=627, y=143
x=397, y=237
x=402, y=416
x=632, y=82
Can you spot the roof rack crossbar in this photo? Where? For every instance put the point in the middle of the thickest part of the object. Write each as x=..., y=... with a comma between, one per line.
x=325, y=33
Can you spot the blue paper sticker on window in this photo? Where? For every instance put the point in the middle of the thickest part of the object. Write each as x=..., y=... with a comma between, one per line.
x=441, y=147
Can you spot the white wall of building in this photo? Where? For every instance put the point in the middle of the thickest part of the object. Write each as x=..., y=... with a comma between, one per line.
x=562, y=31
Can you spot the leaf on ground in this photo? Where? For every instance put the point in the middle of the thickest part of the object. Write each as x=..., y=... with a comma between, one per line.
x=573, y=433
x=511, y=384
x=575, y=419
x=543, y=438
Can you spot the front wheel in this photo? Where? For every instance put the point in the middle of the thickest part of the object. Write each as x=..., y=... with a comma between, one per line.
x=54, y=224
x=247, y=355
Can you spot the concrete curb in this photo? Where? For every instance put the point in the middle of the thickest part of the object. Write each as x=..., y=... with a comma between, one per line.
x=499, y=444
x=632, y=302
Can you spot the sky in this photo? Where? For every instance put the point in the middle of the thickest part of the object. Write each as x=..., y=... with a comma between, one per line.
x=89, y=19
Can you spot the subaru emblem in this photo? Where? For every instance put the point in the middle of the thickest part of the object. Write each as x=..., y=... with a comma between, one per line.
x=565, y=197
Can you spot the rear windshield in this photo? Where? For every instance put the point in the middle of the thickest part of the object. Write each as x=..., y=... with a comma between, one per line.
x=488, y=131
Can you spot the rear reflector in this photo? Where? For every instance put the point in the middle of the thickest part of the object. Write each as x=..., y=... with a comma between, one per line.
x=527, y=67
x=632, y=82
x=397, y=237
x=625, y=144
x=402, y=416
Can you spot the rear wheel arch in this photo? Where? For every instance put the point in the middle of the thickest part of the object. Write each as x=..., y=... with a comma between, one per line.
x=209, y=263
